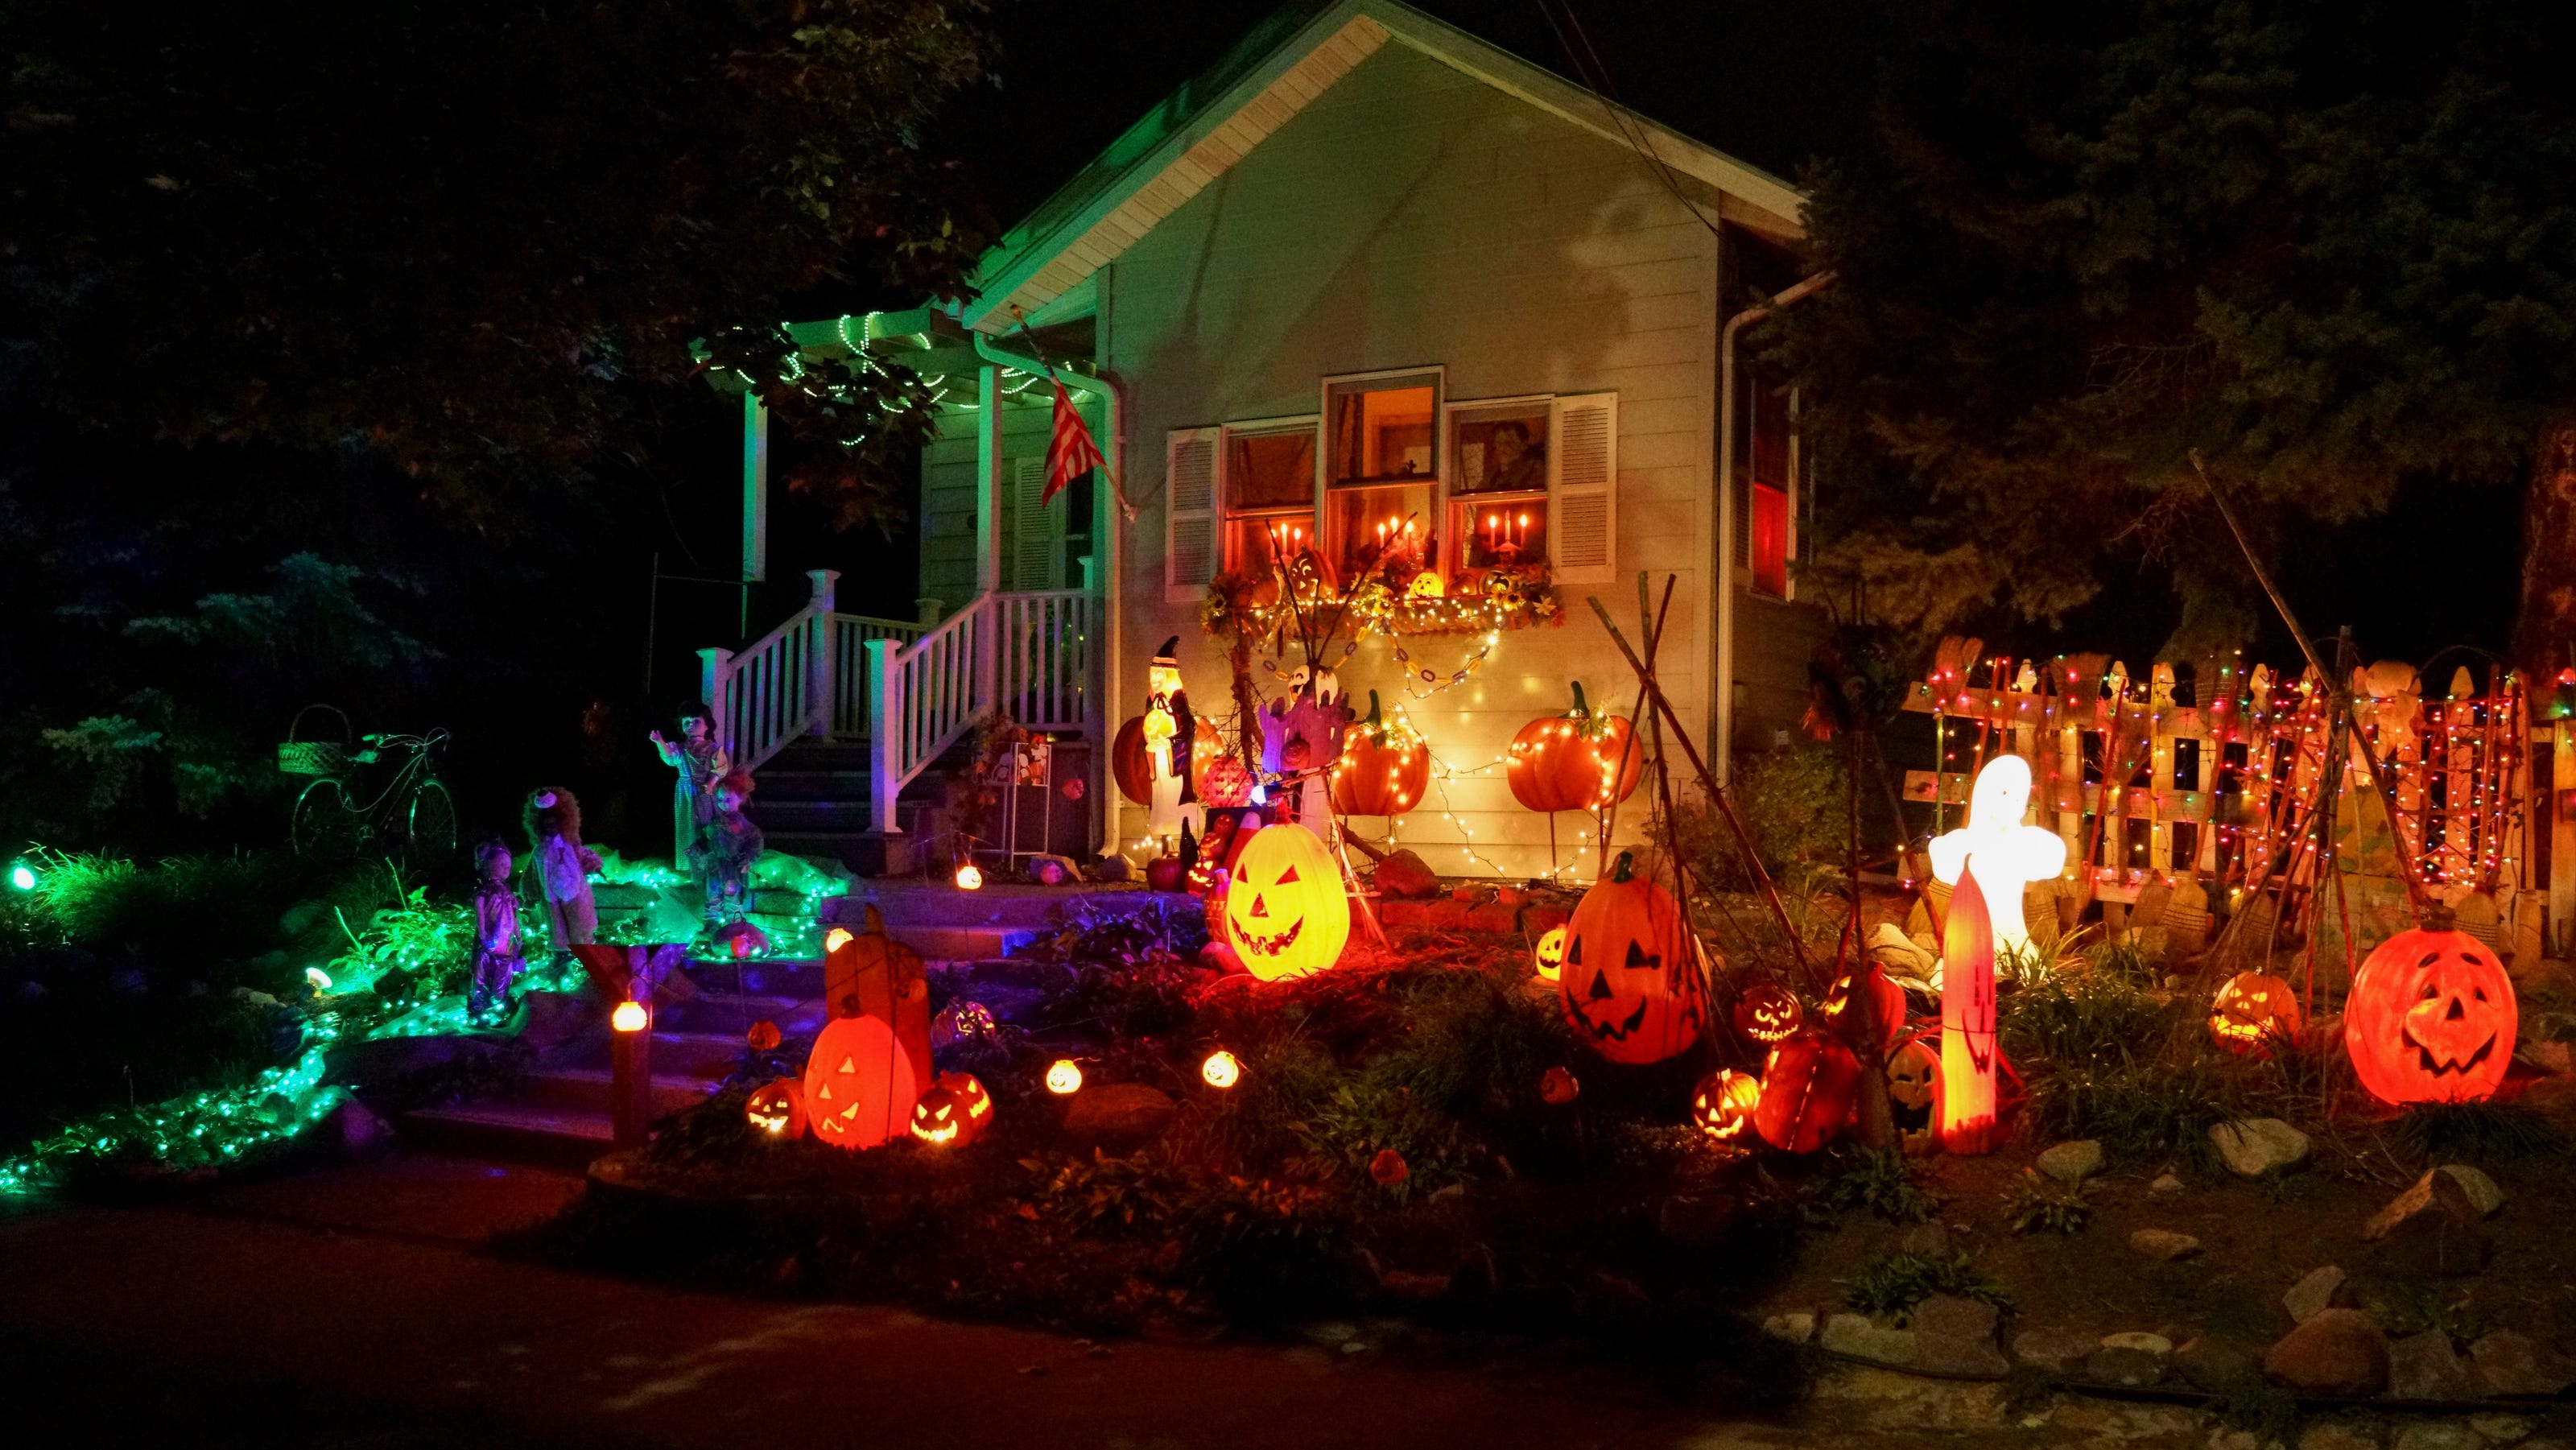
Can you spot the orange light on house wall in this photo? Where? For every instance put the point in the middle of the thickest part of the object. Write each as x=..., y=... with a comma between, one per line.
x=629, y=1017
x=1064, y=1077
x=1968, y=1021
x=1221, y=1070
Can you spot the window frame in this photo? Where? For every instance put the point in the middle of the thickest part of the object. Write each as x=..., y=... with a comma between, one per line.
x=1227, y=512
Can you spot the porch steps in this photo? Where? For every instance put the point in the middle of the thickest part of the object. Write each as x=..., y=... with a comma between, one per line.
x=815, y=798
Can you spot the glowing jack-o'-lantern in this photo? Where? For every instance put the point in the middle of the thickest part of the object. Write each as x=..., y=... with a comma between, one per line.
x=1769, y=1013
x=1577, y=761
x=2252, y=1011
x=1723, y=1104
x=1549, y=956
x=1227, y=784
x=1384, y=768
x=1631, y=979
x=1064, y=1077
x=1221, y=1070
x=859, y=1084
x=2431, y=1018
x=1914, y=1095
x=777, y=1108
x=1285, y=913
x=1866, y=1010
x=953, y=1113
x=1426, y=585
x=1807, y=1091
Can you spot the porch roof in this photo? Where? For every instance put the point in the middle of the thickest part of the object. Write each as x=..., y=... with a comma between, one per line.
x=1213, y=121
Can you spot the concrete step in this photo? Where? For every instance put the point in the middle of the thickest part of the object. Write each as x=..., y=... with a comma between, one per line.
x=813, y=817
x=720, y=1011
x=585, y=1090
x=776, y=784
x=513, y=1133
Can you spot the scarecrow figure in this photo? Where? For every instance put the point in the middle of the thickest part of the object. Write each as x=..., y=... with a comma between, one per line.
x=559, y=867
x=725, y=852
x=701, y=762
x=497, y=962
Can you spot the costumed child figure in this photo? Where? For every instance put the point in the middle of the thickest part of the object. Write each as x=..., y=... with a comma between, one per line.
x=701, y=762
x=725, y=852
x=1171, y=734
x=497, y=962
x=559, y=868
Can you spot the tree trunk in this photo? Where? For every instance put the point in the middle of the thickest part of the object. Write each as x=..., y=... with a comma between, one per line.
x=2545, y=633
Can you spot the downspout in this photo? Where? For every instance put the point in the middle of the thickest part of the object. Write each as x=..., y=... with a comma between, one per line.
x=1723, y=747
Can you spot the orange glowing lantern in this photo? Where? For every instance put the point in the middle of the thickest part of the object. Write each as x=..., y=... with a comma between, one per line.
x=2253, y=1010
x=1769, y=1013
x=778, y=1108
x=1725, y=1102
x=2431, y=1017
x=1285, y=912
x=1064, y=1077
x=970, y=877
x=1577, y=761
x=859, y=1084
x=1221, y=1070
x=1968, y=1046
x=1631, y=979
x=1549, y=956
x=1384, y=768
x=629, y=1017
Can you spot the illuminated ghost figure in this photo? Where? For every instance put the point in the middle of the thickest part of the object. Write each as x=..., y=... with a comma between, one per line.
x=2007, y=854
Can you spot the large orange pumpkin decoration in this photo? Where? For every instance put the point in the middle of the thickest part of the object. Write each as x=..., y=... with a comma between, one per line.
x=777, y=1108
x=1769, y=1013
x=1132, y=766
x=859, y=1084
x=2252, y=1011
x=1285, y=912
x=1807, y=1091
x=1577, y=761
x=1631, y=979
x=1724, y=1102
x=953, y=1113
x=2431, y=1017
x=1384, y=768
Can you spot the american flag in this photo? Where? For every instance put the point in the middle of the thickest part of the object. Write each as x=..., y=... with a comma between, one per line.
x=1070, y=453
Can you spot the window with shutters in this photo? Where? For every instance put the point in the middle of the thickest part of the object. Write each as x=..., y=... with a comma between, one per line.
x=1035, y=529
x=1531, y=483
x=1266, y=474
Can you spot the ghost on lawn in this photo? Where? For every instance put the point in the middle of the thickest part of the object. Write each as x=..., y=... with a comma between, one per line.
x=2007, y=854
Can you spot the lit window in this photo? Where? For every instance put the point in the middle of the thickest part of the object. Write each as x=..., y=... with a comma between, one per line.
x=1269, y=477
x=1382, y=466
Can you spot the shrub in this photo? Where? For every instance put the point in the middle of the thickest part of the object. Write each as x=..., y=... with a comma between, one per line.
x=1792, y=803
x=1879, y=1181
x=1895, y=1283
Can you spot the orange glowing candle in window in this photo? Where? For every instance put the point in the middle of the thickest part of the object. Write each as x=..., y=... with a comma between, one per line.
x=1967, y=1020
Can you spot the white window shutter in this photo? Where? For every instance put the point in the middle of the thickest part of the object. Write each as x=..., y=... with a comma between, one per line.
x=1037, y=528
x=1583, y=486
x=1189, y=513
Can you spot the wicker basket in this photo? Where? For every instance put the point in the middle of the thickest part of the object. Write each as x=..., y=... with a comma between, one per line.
x=314, y=757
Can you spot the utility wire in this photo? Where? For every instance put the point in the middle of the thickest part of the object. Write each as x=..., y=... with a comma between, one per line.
x=1576, y=43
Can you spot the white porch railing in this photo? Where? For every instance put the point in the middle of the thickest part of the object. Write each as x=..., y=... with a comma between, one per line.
x=910, y=690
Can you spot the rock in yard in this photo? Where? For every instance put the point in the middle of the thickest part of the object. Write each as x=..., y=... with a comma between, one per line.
x=1925, y=1238
x=2316, y=1291
x=1797, y=1327
x=2500, y=1429
x=1956, y=1336
x=2337, y=1352
x=1407, y=876
x=2436, y=1435
x=2164, y=1243
x=2253, y=1147
x=2072, y=1162
x=2482, y=1193
x=1861, y=1337
x=2058, y=1351
x=2433, y=1228
x=361, y=1133
x=2124, y=1366
x=2141, y=1341
x=2165, y=1183
x=1128, y=1110
x=2339, y=1435
x=2423, y=1367
x=2509, y=1363
x=2213, y=1364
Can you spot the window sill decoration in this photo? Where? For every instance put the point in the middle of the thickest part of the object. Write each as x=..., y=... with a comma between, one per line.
x=1481, y=602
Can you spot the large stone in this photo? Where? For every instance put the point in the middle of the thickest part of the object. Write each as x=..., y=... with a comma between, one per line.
x=2480, y=1190
x=2339, y=1435
x=1956, y=1336
x=2510, y=1363
x=358, y=1130
x=2124, y=1365
x=1797, y=1327
x=2141, y=1341
x=2501, y=1429
x=1858, y=1336
x=2432, y=1229
x=2424, y=1367
x=2164, y=1243
x=1118, y=1110
x=2057, y=1351
x=2214, y=1364
x=2072, y=1162
x=2252, y=1147
x=2313, y=1293
x=1407, y=877
x=2166, y=1183
x=2337, y=1352
x=2436, y=1435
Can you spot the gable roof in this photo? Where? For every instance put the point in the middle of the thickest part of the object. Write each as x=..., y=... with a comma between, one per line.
x=1214, y=121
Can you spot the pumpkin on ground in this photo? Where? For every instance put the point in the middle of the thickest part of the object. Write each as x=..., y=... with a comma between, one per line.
x=1548, y=958
x=1866, y=1010
x=1285, y=911
x=859, y=1084
x=1768, y=1013
x=1807, y=1091
x=2431, y=1018
x=1577, y=761
x=1384, y=767
x=1914, y=1095
x=953, y=1113
x=778, y=1108
x=1723, y=1104
x=1631, y=981
x=2252, y=1011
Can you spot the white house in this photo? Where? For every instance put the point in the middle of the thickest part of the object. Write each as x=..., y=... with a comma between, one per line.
x=1367, y=271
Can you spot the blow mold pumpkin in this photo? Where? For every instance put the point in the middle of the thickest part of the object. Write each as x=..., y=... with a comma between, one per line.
x=2252, y=1010
x=2431, y=1018
x=777, y=1108
x=1631, y=979
x=1807, y=1091
x=1384, y=768
x=953, y=1113
x=1574, y=762
x=1914, y=1094
x=1285, y=913
x=859, y=1084
x=1722, y=1106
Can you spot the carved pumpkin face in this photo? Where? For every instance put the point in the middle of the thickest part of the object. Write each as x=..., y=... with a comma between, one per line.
x=1914, y=1092
x=1549, y=957
x=1866, y=1010
x=777, y=1109
x=1226, y=784
x=1631, y=979
x=1723, y=1104
x=1285, y=913
x=1426, y=585
x=1807, y=1090
x=953, y=1113
x=1769, y=1013
x=2431, y=1019
x=2253, y=1010
x=859, y=1084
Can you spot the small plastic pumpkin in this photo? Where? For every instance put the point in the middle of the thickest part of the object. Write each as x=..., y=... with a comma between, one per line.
x=1769, y=1013
x=1914, y=1094
x=1724, y=1103
x=859, y=1084
x=1549, y=956
x=1807, y=1091
x=2251, y=1011
x=1226, y=785
x=1384, y=767
x=1568, y=762
x=1285, y=912
x=1557, y=1087
x=953, y=1113
x=2431, y=1018
x=778, y=1108
x=1631, y=980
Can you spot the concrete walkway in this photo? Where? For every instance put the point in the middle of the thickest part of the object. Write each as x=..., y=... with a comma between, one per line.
x=353, y=1306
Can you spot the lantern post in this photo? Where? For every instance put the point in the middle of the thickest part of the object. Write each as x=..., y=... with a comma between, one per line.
x=630, y=1074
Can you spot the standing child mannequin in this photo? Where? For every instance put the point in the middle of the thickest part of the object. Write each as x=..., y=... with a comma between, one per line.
x=701, y=763
x=559, y=867
x=496, y=936
x=725, y=852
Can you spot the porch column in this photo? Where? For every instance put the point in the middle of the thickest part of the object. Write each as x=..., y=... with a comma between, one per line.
x=988, y=479
x=714, y=666
x=755, y=489
x=822, y=657
x=885, y=736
